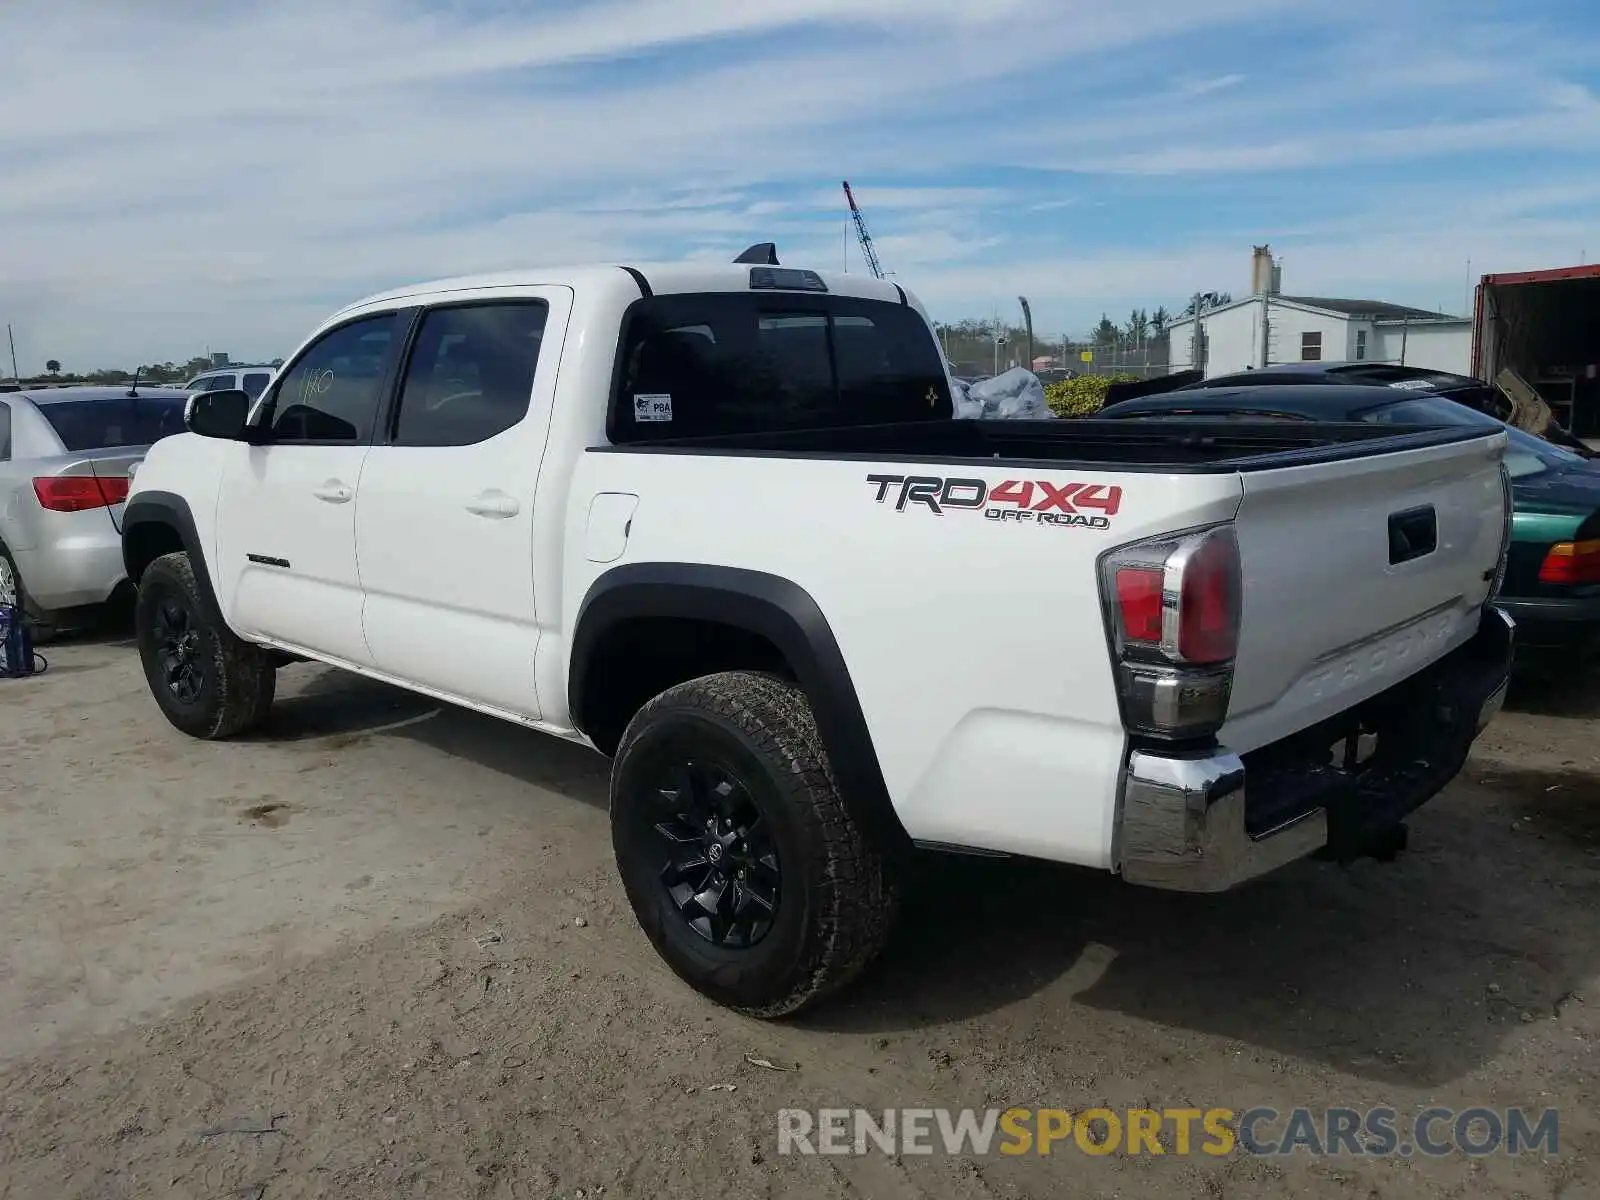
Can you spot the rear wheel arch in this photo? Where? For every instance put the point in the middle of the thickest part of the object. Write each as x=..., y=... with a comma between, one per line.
x=645, y=627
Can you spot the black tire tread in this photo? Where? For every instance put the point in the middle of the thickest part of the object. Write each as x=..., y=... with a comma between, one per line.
x=857, y=899
x=246, y=680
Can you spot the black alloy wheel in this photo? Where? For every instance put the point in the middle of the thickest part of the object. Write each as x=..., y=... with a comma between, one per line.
x=178, y=646
x=720, y=865
x=744, y=865
x=206, y=681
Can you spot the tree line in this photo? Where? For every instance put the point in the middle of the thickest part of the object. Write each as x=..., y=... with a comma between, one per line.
x=152, y=373
x=973, y=339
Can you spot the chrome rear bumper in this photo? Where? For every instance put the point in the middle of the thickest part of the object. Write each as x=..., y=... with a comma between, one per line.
x=1184, y=822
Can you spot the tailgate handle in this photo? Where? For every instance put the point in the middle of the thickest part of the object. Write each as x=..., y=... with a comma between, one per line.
x=1412, y=534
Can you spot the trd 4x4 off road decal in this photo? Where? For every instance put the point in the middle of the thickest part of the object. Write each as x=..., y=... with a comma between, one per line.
x=1029, y=501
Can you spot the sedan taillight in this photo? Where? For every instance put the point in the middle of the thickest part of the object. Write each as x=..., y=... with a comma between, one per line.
x=1571, y=562
x=75, y=493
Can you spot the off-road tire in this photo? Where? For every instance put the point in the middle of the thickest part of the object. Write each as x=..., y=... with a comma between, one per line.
x=237, y=678
x=838, y=894
x=42, y=626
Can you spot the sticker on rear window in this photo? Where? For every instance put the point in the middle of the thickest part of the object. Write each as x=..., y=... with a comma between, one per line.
x=1412, y=385
x=652, y=406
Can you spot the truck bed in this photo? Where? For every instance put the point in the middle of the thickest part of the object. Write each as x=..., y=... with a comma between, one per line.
x=1342, y=599
x=1227, y=445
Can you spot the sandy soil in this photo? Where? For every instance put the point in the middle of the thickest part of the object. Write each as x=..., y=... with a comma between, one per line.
x=379, y=951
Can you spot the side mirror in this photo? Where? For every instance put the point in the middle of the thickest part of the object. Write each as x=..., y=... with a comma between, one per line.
x=218, y=414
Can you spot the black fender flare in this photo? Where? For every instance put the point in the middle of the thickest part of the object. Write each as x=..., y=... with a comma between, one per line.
x=771, y=607
x=171, y=511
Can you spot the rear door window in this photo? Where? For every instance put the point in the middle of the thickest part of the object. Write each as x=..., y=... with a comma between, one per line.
x=255, y=382
x=103, y=423
x=470, y=377
x=729, y=363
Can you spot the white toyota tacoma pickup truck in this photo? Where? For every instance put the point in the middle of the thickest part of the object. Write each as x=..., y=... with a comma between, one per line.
x=718, y=522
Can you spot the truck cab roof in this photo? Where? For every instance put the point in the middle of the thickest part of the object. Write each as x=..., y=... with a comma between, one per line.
x=629, y=281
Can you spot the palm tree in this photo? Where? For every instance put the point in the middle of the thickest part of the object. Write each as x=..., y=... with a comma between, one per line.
x=53, y=366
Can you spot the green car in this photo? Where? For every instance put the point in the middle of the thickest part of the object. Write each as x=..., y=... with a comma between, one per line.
x=1552, y=583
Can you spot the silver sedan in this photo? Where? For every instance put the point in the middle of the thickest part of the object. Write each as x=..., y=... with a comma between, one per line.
x=65, y=455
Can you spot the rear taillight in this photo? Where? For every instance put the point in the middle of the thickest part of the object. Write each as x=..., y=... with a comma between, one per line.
x=1571, y=562
x=1173, y=604
x=74, y=493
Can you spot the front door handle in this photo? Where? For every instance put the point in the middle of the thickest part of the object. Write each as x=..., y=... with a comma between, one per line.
x=493, y=504
x=334, y=492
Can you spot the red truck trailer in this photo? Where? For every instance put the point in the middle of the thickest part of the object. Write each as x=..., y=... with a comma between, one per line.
x=1545, y=326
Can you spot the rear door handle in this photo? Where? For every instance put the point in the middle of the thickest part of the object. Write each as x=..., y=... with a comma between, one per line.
x=493, y=504
x=334, y=492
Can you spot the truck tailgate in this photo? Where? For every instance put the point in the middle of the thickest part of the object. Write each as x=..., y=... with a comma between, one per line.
x=1357, y=574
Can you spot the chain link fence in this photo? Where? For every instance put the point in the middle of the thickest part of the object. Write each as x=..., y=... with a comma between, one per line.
x=976, y=351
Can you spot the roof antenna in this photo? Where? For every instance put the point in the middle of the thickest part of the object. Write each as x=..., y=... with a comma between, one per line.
x=762, y=254
x=133, y=388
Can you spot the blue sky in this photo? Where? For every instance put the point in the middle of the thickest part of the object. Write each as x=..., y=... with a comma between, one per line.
x=1090, y=156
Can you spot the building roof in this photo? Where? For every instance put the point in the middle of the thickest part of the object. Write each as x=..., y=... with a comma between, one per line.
x=1376, y=310
x=1381, y=309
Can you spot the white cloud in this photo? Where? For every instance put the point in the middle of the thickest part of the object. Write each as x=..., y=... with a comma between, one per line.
x=176, y=173
x=1204, y=87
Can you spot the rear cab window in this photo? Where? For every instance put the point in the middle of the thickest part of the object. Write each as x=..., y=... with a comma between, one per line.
x=704, y=365
x=104, y=423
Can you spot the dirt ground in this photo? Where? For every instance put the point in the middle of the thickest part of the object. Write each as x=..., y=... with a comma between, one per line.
x=379, y=950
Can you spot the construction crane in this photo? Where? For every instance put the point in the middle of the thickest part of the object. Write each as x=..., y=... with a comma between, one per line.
x=868, y=251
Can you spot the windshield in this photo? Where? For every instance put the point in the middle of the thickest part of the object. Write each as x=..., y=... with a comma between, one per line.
x=102, y=423
x=1426, y=410
x=1528, y=455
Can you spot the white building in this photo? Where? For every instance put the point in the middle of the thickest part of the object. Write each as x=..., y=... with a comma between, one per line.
x=1266, y=328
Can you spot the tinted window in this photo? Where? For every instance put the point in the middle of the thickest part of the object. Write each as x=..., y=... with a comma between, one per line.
x=255, y=383
x=471, y=374
x=331, y=392
x=1528, y=455
x=101, y=423
x=1483, y=398
x=5, y=432
x=1426, y=410
x=703, y=365
x=1394, y=373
